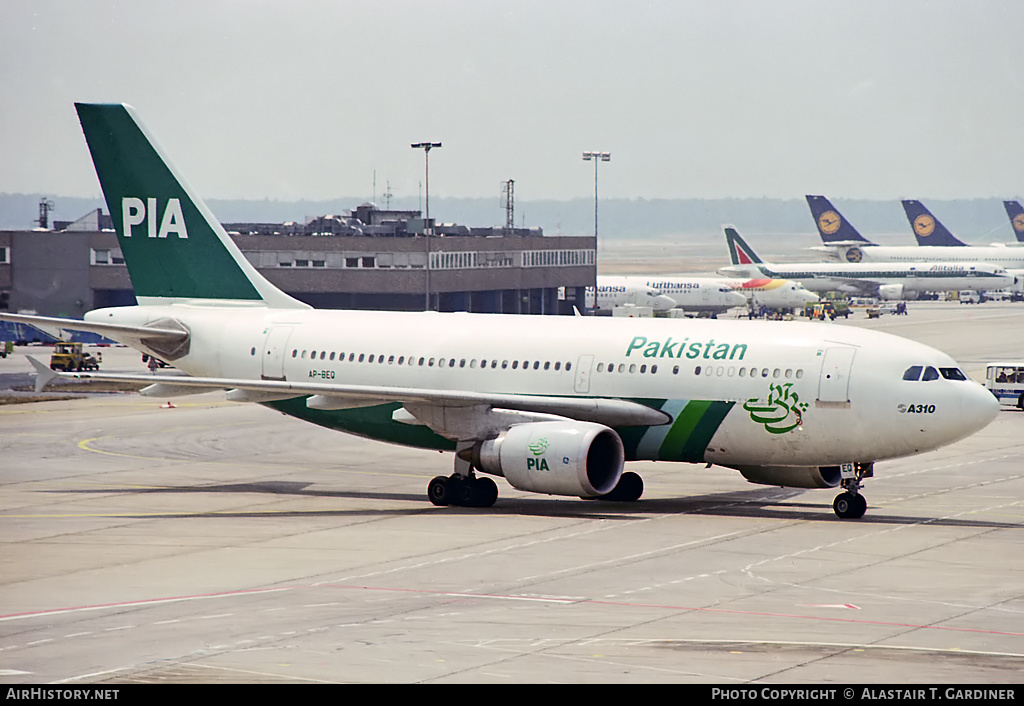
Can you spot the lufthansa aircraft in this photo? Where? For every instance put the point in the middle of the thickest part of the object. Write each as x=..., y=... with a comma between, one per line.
x=885, y=280
x=767, y=293
x=928, y=229
x=691, y=294
x=613, y=292
x=849, y=245
x=1016, y=214
x=556, y=405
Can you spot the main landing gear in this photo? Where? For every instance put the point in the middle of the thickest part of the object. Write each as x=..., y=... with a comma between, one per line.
x=462, y=488
x=851, y=505
x=629, y=489
x=464, y=491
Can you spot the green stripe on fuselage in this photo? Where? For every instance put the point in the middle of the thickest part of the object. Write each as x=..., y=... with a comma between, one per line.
x=693, y=430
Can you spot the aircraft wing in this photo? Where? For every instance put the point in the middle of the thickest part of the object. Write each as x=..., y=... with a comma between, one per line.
x=859, y=285
x=608, y=411
x=118, y=332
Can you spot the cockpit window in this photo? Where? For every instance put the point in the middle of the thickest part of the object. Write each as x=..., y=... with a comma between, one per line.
x=913, y=373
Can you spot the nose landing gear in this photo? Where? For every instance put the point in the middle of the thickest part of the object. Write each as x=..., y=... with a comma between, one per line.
x=851, y=505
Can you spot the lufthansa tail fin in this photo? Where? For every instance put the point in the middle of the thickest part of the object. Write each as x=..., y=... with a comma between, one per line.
x=927, y=228
x=1016, y=214
x=832, y=227
x=739, y=252
x=174, y=247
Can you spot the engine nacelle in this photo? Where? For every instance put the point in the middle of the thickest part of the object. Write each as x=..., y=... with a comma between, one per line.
x=890, y=291
x=557, y=458
x=793, y=476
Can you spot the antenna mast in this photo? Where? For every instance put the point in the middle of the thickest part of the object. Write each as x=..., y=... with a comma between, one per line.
x=508, y=194
x=45, y=206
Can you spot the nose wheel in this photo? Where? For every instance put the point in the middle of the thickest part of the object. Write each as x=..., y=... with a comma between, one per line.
x=851, y=505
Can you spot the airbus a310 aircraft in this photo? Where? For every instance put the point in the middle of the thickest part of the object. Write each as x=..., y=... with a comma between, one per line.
x=556, y=405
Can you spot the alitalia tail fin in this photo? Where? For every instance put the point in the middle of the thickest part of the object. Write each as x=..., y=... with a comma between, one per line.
x=832, y=227
x=1016, y=214
x=174, y=247
x=739, y=252
x=927, y=228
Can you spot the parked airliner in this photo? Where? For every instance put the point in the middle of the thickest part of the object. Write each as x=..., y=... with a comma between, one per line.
x=928, y=229
x=614, y=292
x=767, y=293
x=691, y=294
x=851, y=246
x=1016, y=214
x=883, y=280
x=556, y=405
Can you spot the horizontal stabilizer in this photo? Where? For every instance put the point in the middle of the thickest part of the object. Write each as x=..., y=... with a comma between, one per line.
x=44, y=376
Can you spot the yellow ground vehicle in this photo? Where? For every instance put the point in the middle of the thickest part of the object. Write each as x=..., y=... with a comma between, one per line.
x=827, y=309
x=69, y=356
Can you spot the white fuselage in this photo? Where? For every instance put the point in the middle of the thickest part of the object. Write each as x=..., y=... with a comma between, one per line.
x=1007, y=256
x=693, y=294
x=614, y=292
x=767, y=293
x=851, y=277
x=787, y=393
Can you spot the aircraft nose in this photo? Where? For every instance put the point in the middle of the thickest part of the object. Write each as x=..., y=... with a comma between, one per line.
x=737, y=299
x=978, y=407
x=663, y=302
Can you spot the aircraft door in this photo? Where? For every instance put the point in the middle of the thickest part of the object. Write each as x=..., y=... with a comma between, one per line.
x=583, y=366
x=834, y=382
x=274, y=351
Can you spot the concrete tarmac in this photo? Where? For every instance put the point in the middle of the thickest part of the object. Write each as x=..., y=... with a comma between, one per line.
x=217, y=542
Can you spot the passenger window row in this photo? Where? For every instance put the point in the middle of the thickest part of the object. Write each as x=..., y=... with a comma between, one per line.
x=731, y=371
x=328, y=356
x=913, y=373
x=920, y=372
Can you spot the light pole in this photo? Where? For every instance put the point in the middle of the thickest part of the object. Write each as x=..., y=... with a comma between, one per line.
x=596, y=157
x=427, y=228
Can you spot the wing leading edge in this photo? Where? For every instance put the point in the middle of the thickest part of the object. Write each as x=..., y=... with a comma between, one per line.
x=608, y=411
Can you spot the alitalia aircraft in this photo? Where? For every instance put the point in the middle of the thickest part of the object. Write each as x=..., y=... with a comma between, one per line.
x=695, y=295
x=849, y=245
x=885, y=280
x=556, y=405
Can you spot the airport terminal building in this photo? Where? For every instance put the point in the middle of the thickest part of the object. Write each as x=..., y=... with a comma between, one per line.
x=367, y=259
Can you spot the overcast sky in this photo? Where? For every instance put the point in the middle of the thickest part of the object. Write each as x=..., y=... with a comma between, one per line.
x=308, y=98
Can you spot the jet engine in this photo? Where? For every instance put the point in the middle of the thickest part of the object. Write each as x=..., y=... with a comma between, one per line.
x=890, y=291
x=558, y=458
x=793, y=476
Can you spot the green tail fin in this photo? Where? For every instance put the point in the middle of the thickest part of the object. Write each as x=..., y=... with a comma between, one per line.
x=739, y=252
x=172, y=244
